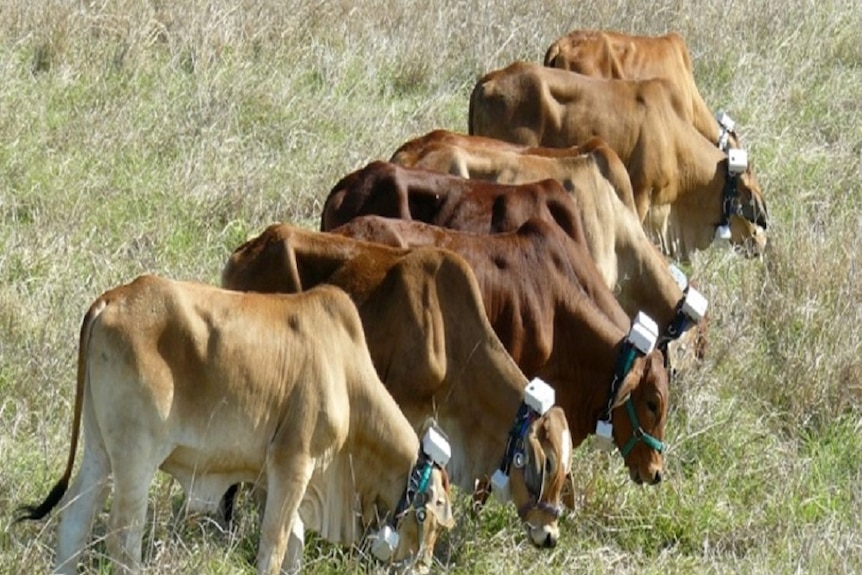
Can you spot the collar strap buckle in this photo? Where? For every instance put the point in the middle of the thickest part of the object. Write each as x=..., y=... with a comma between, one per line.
x=689, y=311
x=641, y=339
x=434, y=451
x=737, y=163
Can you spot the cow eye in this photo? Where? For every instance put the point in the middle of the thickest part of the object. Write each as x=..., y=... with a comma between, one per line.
x=549, y=466
x=652, y=406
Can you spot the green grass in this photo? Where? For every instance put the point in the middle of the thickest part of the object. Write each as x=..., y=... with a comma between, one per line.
x=155, y=137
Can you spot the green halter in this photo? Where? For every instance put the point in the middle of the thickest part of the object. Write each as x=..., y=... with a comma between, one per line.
x=628, y=353
x=638, y=434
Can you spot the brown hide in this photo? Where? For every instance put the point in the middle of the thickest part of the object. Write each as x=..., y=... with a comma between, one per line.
x=215, y=387
x=385, y=189
x=494, y=160
x=486, y=207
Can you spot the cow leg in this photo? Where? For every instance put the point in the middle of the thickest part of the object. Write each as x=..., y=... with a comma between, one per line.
x=287, y=480
x=132, y=480
x=296, y=542
x=227, y=503
x=80, y=505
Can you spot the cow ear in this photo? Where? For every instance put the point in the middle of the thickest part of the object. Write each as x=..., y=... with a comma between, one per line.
x=440, y=505
x=752, y=203
x=631, y=381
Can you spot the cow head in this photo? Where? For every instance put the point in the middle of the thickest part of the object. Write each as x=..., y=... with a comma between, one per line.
x=422, y=521
x=639, y=413
x=745, y=209
x=539, y=478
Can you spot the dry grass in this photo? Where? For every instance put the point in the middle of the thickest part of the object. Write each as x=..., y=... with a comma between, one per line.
x=154, y=136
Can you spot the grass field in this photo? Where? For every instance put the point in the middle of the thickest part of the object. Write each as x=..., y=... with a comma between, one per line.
x=155, y=136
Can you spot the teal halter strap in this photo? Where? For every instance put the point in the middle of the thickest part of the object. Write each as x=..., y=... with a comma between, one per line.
x=626, y=357
x=638, y=434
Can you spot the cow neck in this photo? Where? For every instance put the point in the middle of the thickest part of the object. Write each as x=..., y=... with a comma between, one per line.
x=705, y=123
x=703, y=177
x=583, y=369
x=703, y=171
x=382, y=440
x=499, y=404
x=647, y=285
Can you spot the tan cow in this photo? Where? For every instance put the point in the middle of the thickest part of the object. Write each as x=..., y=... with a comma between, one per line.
x=215, y=387
x=607, y=54
x=591, y=214
x=434, y=350
x=494, y=160
x=685, y=188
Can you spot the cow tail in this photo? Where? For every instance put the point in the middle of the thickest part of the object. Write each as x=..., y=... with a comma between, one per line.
x=35, y=512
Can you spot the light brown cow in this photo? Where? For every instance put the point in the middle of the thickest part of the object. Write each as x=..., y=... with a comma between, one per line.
x=216, y=387
x=494, y=160
x=591, y=214
x=614, y=55
x=434, y=350
x=689, y=187
x=550, y=308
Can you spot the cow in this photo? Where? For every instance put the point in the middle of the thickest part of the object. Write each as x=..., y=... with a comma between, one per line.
x=615, y=55
x=434, y=350
x=557, y=334
x=214, y=387
x=506, y=163
x=590, y=213
x=379, y=189
x=686, y=190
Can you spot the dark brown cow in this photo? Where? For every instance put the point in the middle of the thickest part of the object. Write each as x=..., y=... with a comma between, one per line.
x=546, y=302
x=385, y=189
x=685, y=188
x=604, y=227
x=521, y=275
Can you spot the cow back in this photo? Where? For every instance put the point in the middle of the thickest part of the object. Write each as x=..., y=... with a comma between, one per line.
x=614, y=55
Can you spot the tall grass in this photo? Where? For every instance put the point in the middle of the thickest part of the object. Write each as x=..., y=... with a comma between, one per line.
x=155, y=136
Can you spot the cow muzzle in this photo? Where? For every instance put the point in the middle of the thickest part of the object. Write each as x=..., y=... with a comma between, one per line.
x=652, y=476
x=545, y=536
